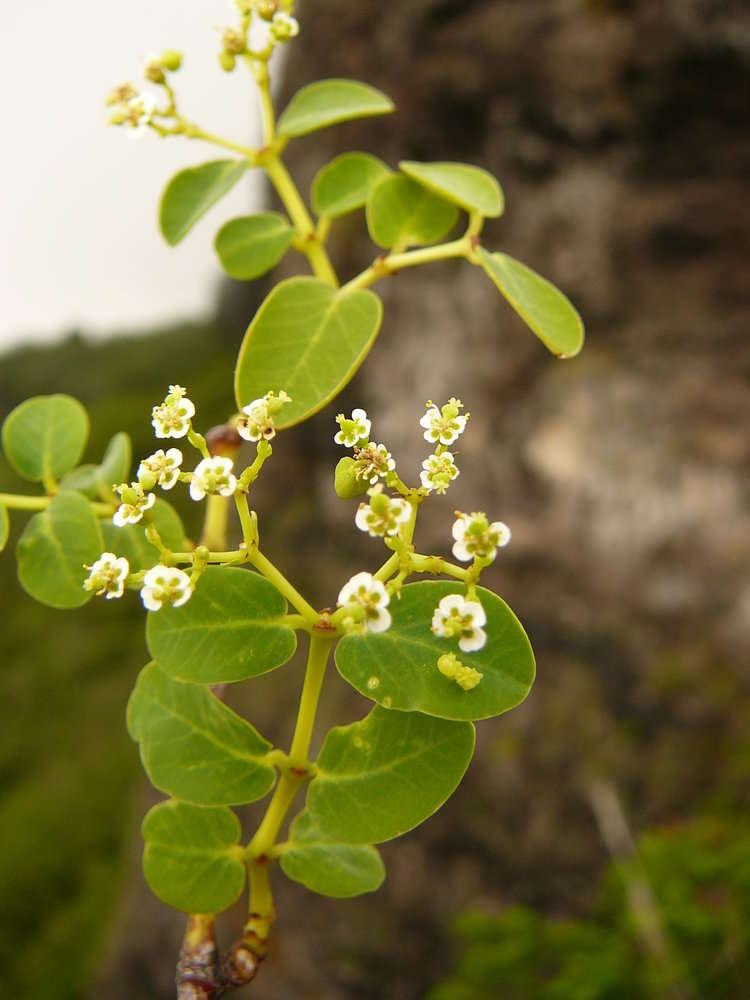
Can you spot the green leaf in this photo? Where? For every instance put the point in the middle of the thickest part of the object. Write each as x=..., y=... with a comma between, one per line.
x=229, y=630
x=193, y=859
x=344, y=184
x=328, y=102
x=471, y=188
x=308, y=339
x=382, y=776
x=328, y=868
x=193, y=746
x=53, y=548
x=45, y=436
x=96, y=481
x=398, y=668
x=191, y=193
x=4, y=527
x=250, y=246
x=544, y=308
x=400, y=211
x=130, y=541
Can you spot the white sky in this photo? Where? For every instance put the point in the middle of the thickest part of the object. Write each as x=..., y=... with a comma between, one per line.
x=79, y=245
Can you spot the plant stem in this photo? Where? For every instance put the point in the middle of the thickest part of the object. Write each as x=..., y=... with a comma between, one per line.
x=309, y=244
x=298, y=770
x=214, y=535
x=392, y=263
x=15, y=501
x=194, y=132
x=266, y=567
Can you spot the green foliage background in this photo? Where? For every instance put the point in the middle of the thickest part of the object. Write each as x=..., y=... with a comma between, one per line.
x=67, y=766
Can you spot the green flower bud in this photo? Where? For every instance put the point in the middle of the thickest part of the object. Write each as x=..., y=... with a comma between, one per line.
x=233, y=41
x=147, y=479
x=346, y=482
x=227, y=61
x=266, y=9
x=171, y=60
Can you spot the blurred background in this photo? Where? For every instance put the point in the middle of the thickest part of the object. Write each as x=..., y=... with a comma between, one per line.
x=599, y=846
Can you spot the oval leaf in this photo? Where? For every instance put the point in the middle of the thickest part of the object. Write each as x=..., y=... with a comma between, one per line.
x=193, y=859
x=4, y=527
x=328, y=868
x=96, y=481
x=193, y=746
x=398, y=668
x=400, y=211
x=328, y=102
x=252, y=245
x=44, y=436
x=344, y=184
x=382, y=776
x=228, y=631
x=191, y=193
x=53, y=549
x=130, y=541
x=544, y=308
x=308, y=339
x=471, y=188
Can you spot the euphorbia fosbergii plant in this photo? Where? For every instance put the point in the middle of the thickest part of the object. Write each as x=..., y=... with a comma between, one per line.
x=432, y=655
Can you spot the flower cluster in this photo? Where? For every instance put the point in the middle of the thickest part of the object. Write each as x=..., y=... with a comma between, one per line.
x=368, y=600
x=213, y=475
x=383, y=515
x=162, y=468
x=107, y=576
x=171, y=419
x=477, y=538
x=165, y=585
x=438, y=471
x=455, y=617
x=132, y=109
x=258, y=417
x=135, y=502
x=444, y=425
x=451, y=667
x=354, y=431
x=264, y=26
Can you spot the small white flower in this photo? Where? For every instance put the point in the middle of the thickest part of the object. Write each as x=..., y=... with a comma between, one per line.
x=165, y=585
x=139, y=112
x=455, y=617
x=258, y=419
x=383, y=515
x=107, y=575
x=162, y=468
x=375, y=462
x=476, y=537
x=366, y=592
x=171, y=419
x=260, y=38
x=445, y=425
x=353, y=430
x=135, y=501
x=284, y=26
x=438, y=471
x=213, y=475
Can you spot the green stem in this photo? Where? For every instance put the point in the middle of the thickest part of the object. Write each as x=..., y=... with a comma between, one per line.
x=214, y=535
x=266, y=567
x=15, y=501
x=310, y=245
x=317, y=661
x=194, y=132
x=384, y=266
x=438, y=566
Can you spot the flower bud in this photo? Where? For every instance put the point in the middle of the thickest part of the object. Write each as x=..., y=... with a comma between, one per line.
x=171, y=60
x=266, y=9
x=346, y=482
x=233, y=41
x=147, y=478
x=227, y=61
